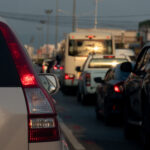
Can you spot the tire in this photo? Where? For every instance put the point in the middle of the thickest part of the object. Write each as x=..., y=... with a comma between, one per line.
x=129, y=129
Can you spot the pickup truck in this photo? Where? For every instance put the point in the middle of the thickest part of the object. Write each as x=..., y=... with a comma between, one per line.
x=96, y=65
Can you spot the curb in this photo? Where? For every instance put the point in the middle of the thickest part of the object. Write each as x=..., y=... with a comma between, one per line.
x=70, y=137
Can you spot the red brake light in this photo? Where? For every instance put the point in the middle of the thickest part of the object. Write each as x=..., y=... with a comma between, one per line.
x=55, y=67
x=28, y=79
x=61, y=68
x=90, y=36
x=69, y=76
x=88, y=79
x=22, y=62
x=109, y=57
x=118, y=87
x=66, y=76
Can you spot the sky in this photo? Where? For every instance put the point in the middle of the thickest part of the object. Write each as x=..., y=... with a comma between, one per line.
x=123, y=14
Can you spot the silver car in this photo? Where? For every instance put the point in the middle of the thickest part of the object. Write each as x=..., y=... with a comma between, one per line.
x=28, y=120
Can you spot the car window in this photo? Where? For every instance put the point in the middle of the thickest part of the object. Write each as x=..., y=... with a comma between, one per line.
x=105, y=63
x=120, y=75
x=109, y=75
x=144, y=59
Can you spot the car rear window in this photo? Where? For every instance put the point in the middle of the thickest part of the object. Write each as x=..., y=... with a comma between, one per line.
x=8, y=73
x=105, y=63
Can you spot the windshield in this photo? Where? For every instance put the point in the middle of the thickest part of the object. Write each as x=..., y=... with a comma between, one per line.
x=84, y=47
x=105, y=63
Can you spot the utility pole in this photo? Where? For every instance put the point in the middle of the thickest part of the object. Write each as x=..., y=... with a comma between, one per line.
x=96, y=8
x=56, y=27
x=48, y=12
x=74, y=16
x=39, y=28
x=42, y=24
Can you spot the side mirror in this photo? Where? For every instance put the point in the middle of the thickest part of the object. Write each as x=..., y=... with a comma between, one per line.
x=78, y=69
x=99, y=80
x=50, y=82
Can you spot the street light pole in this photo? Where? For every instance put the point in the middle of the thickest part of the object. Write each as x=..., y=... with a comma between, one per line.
x=39, y=28
x=74, y=16
x=96, y=7
x=56, y=32
x=48, y=12
x=42, y=24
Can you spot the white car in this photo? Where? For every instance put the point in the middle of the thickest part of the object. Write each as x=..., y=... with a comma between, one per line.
x=95, y=66
x=129, y=53
x=28, y=120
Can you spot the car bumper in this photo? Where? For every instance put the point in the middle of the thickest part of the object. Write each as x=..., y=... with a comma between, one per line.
x=114, y=104
x=90, y=90
x=58, y=145
x=71, y=83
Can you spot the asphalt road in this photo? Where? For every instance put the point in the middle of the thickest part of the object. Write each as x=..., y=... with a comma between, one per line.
x=91, y=133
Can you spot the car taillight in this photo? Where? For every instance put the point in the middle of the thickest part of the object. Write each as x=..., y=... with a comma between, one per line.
x=42, y=122
x=19, y=55
x=55, y=67
x=118, y=87
x=42, y=130
x=109, y=57
x=88, y=79
x=61, y=68
x=69, y=76
x=44, y=68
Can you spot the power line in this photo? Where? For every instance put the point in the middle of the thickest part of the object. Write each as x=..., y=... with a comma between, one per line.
x=67, y=20
x=24, y=17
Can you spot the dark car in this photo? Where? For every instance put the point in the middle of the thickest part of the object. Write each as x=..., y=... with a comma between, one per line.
x=58, y=69
x=137, y=98
x=109, y=92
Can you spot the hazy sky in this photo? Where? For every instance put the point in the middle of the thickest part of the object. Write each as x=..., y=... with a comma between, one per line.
x=112, y=13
